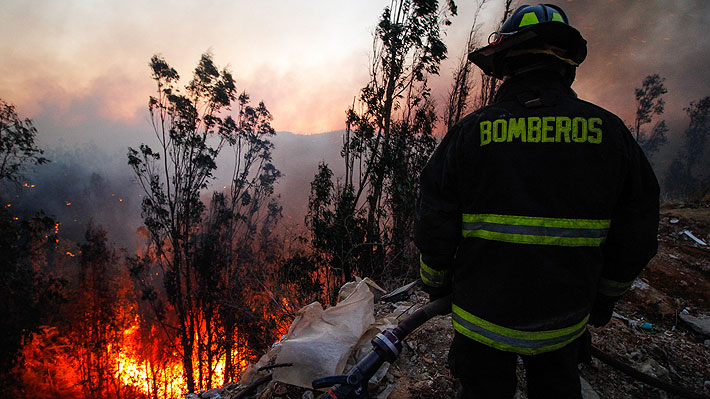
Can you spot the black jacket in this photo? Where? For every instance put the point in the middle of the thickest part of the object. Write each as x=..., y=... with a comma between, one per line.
x=529, y=210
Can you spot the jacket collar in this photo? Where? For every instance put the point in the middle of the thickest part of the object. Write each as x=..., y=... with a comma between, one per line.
x=537, y=84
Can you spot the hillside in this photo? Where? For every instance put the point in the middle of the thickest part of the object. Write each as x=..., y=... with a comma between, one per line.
x=297, y=157
x=661, y=328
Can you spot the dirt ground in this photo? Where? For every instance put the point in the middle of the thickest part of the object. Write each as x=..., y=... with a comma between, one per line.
x=677, y=280
x=647, y=333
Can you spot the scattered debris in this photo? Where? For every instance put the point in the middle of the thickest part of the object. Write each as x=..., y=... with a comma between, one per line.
x=700, y=324
x=587, y=391
x=320, y=341
x=670, y=292
x=696, y=239
x=400, y=293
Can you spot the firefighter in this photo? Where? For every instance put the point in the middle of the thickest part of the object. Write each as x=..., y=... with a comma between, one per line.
x=536, y=213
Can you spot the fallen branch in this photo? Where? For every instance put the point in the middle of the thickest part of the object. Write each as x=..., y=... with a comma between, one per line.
x=275, y=366
x=650, y=380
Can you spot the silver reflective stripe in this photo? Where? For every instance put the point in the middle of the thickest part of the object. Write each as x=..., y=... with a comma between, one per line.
x=434, y=281
x=536, y=230
x=516, y=342
x=433, y=277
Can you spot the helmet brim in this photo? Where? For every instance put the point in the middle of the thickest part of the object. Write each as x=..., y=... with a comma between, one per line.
x=557, y=34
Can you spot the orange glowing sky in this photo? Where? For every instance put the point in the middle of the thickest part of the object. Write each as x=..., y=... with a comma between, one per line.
x=80, y=67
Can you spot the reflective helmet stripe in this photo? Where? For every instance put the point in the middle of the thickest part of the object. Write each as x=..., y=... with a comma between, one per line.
x=529, y=19
x=536, y=230
x=511, y=340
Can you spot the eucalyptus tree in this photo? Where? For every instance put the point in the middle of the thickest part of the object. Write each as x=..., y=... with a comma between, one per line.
x=191, y=125
x=650, y=102
x=17, y=144
x=389, y=136
x=683, y=176
x=234, y=243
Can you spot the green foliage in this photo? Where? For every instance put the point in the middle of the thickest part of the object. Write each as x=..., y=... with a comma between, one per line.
x=234, y=246
x=29, y=295
x=191, y=127
x=361, y=225
x=650, y=102
x=678, y=182
x=698, y=129
x=681, y=177
x=649, y=99
x=337, y=228
x=17, y=144
x=211, y=257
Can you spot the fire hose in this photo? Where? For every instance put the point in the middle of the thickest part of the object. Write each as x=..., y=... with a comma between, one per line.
x=388, y=345
x=386, y=348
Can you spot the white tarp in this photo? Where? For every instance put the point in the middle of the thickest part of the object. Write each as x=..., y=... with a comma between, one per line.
x=320, y=341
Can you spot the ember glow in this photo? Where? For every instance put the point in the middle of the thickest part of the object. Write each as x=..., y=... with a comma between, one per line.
x=137, y=362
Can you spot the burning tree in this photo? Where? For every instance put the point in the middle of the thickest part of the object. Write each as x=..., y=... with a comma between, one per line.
x=205, y=257
x=173, y=178
x=30, y=295
x=100, y=313
x=232, y=249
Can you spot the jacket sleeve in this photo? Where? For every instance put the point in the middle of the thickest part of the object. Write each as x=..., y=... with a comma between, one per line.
x=632, y=240
x=438, y=218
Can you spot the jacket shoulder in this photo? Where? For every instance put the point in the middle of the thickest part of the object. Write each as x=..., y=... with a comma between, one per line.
x=604, y=113
x=476, y=116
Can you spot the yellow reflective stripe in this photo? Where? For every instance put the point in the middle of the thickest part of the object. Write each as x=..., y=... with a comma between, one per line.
x=429, y=270
x=429, y=282
x=529, y=19
x=509, y=332
x=557, y=17
x=536, y=230
x=433, y=277
x=511, y=348
x=613, y=288
x=538, y=221
x=508, y=339
x=538, y=240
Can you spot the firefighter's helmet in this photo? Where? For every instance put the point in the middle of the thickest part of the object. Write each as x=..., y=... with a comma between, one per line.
x=531, y=29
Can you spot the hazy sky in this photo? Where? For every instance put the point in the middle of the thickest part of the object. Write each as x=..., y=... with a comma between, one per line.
x=80, y=68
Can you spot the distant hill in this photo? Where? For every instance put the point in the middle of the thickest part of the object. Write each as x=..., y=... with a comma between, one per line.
x=89, y=183
x=297, y=157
